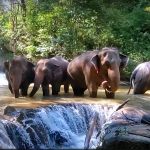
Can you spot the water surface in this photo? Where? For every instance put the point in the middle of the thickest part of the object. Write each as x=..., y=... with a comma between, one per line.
x=6, y=98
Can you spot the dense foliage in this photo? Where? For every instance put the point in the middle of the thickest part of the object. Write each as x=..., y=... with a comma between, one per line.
x=44, y=28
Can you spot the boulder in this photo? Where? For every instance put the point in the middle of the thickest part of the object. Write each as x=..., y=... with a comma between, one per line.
x=10, y=111
x=128, y=128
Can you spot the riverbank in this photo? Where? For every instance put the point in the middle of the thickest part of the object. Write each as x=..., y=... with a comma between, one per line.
x=124, y=83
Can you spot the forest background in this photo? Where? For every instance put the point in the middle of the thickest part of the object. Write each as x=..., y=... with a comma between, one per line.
x=45, y=28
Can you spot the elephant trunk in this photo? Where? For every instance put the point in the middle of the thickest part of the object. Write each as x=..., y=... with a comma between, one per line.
x=37, y=82
x=112, y=83
x=16, y=92
x=114, y=79
x=15, y=85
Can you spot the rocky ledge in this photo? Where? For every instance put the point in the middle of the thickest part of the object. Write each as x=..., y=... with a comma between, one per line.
x=128, y=129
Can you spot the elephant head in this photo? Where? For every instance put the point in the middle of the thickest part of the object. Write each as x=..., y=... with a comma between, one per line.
x=15, y=72
x=108, y=63
x=46, y=72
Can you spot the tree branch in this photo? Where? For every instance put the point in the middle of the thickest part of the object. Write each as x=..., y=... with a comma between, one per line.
x=120, y=106
x=90, y=132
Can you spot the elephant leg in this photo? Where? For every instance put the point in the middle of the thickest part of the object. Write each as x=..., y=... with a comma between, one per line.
x=91, y=85
x=66, y=87
x=78, y=91
x=109, y=94
x=55, y=88
x=24, y=88
x=16, y=92
x=45, y=88
x=92, y=93
x=24, y=91
x=10, y=88
x=139, y=89
x=92, y=88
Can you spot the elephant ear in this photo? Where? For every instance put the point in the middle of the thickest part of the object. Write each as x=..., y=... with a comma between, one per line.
x=95, y=61
x=57, y=70
x=124, y=61
x=30, y=65
x=6, y=65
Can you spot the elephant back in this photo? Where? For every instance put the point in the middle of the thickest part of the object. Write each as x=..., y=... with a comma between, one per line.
x=59, y=61
x=63, y=63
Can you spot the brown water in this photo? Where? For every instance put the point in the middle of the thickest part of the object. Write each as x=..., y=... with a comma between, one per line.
x=139, y=101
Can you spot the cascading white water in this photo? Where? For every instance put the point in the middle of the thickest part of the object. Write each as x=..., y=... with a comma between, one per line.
x=3, y=80
x=56, y=126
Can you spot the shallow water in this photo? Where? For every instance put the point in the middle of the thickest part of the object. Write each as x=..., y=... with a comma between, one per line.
x=6, y=98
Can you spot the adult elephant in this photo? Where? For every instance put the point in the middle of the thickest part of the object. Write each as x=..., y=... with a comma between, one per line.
x=51, y=71
x=20, y=74
x=140, y=78
x=94, y=68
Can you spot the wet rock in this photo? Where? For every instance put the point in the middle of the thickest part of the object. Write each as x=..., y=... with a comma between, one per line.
x=146, y=119
x=36, y=129
x=18, y=136
x=5, y=117
x=58, y=138
x=126, y=130
x=38, y=135
x=10, y=111
x=20, y=117
x=5, y=142
x=26, y=113
x=129, y=114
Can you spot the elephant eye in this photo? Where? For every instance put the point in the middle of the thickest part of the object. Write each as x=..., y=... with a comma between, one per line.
x=104, y=55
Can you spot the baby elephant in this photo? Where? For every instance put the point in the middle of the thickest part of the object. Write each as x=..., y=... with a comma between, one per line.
x=51, y=71
x=140, y=78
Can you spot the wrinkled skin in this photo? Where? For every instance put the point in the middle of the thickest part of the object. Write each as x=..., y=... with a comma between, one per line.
x=51, y=71
x=140, y=78
x=94, y=68
x=20, y=74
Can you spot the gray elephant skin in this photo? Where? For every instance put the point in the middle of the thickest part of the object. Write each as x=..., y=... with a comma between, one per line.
x=20, y=74
x=140, y=78
x=51, y=71
x=94, y=68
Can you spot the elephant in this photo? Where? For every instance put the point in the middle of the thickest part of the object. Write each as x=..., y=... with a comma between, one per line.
x=140, y=78
x=20, y=74
x=51, y=71
x=96, y=68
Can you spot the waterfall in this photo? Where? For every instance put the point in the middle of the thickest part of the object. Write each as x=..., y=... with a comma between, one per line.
x=3, y=80
x=56, y=126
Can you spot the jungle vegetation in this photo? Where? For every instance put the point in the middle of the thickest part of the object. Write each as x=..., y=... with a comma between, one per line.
x=45, y=28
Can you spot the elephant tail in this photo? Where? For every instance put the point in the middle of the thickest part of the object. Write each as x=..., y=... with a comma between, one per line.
x=129, y=88
x=132, y=78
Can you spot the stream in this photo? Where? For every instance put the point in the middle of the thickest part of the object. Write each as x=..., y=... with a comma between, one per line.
x=59, y=122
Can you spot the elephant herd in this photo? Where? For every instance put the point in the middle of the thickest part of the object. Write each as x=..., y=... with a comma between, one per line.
x=86, y=71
